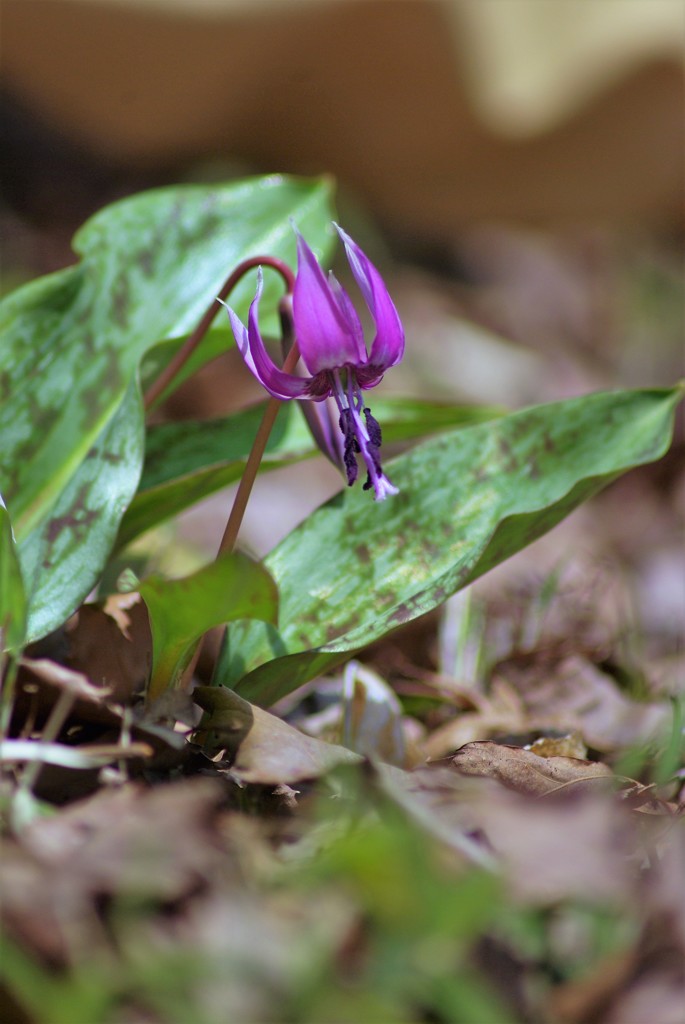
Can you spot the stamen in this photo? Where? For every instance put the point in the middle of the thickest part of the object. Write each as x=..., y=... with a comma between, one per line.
x=351, y=447
x=374, y=429
x=351, y=468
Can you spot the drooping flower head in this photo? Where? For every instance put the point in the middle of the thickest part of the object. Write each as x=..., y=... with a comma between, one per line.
x=331, y=342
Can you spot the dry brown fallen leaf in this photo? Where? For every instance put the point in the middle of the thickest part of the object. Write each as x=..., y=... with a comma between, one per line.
x=253, y=945
x=265, y=749
x=570, y=745
x=500, y=712
x=573, y=696
x=43, y=683
x=525, y=771
x=156, y=844
x=112, y=645
x=578, y=848
x=576, y=694
x=102, y=658
x=646, y=981
x=124, y=733
x=275, y=752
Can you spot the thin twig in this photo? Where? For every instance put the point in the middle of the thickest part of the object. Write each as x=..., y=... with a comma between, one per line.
x=51, y=730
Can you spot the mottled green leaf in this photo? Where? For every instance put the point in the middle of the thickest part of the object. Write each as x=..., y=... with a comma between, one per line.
x=468, y=500
x=62, y=558
x=12, y=595
x=149, y=267
x=186, y=461
x=181, y=611
x=71, y=344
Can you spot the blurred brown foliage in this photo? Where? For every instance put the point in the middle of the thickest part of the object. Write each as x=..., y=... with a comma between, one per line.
x=394, y=98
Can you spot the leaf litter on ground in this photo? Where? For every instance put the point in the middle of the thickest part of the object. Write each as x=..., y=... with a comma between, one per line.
x=274, y=874
x=564, y=835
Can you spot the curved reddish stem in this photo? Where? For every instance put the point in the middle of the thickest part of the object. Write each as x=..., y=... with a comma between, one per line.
x=184, y=353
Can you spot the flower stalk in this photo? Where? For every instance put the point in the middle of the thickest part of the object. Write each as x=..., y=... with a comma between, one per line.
x=249, y=475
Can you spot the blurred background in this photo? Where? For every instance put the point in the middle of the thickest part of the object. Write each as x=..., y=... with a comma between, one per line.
x=514, y=166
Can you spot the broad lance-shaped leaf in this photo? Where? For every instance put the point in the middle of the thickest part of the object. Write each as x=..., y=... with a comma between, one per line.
x=186, y=461
x=12, y=595
x=468, y=500
x=63, y=557
x=181, y=611
x=71, y=343
x=149, y=267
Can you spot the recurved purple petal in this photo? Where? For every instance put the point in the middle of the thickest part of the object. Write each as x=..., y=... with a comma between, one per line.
x=349, y=314
x=277, y=383
x=240, y=334
x=388, y=345
x=327, y=328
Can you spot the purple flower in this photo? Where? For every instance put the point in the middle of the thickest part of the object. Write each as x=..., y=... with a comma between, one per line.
x=331, y=341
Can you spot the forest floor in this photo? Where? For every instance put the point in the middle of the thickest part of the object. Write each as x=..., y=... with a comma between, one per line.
x=510, y=848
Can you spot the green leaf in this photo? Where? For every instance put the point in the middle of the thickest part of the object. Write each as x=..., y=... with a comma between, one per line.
x=62, y=558
x=71, y=344
x=150, y=265
x=181, y=611
x=185, y=462
x=468, y=500
x=12, y=595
